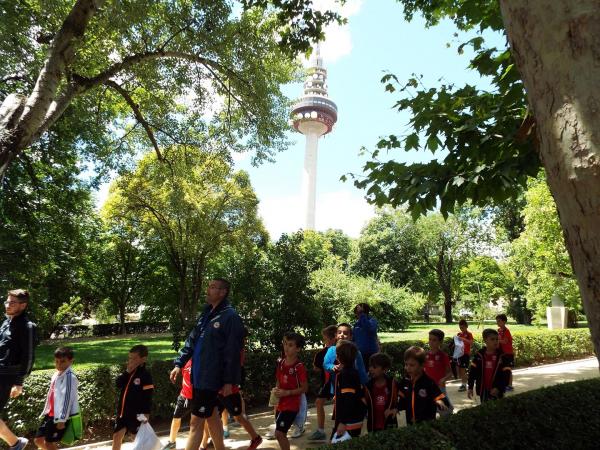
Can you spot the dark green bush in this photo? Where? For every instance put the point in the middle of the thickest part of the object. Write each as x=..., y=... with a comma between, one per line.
x=557, y=417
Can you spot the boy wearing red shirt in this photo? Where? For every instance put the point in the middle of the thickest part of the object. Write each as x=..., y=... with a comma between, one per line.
x=489, y=370
x=182, y=406
x=292, y=382
x=505, y=340
x=382, y=398
x=463, y=362
x=437, y=364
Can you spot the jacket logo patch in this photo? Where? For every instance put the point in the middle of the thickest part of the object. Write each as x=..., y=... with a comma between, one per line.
x=217, y=325
x=422, y=393
x=137, y=381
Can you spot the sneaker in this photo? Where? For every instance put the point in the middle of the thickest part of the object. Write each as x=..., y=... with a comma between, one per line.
x=226, y=434
x=170, y=446
x=297, y=432
x=318, y=435
x=462, y=388
x=270, y=434
x=21, y=443
x=509, y=389
x=254, y=443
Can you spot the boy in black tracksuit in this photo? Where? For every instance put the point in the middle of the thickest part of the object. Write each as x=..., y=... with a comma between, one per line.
x=490, y=370
x=419, y=395
x=349, y=400
x=135, y=397
x=382, y=395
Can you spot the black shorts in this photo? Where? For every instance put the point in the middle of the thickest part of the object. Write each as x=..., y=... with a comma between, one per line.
x=284, y=420
x=131, y=424
x=48, y=430
x=6, y=385
x=182, y=407
x=204, y=402
x=509, y=359
x=325, y=391
x=463, y=361
x=232, y=403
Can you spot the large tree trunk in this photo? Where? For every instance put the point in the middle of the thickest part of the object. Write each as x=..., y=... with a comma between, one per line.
x=556, y=45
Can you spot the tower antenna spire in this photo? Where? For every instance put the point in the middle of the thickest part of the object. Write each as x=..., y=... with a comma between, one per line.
x=313, y=115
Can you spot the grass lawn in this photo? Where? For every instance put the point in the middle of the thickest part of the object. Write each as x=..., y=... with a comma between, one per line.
x=421, y=330
x=107, y=350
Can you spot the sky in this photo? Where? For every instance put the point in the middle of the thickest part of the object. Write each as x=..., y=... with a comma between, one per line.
x=376, y=40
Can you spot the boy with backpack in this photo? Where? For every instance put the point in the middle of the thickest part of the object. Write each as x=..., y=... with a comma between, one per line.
x=382, y=398
x=490, y=370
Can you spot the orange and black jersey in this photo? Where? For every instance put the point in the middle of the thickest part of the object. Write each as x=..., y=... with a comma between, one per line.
x=391, y=402
x=419, y=398
x=501, y=374
x=349, y=401
x=136, y=392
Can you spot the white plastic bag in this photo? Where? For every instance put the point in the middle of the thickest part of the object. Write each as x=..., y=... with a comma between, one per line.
x=459, y=347
x=146, y=438
x=344, y=437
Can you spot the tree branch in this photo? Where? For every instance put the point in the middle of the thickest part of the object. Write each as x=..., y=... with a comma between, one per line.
x=138, y=114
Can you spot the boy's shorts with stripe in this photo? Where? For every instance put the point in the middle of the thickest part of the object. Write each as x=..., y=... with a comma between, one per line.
x=49, y=431
x=284, y=420
x=182, y=407
x=131, y=424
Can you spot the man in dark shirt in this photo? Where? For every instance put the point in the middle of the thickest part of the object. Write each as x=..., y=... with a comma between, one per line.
x=17, y=342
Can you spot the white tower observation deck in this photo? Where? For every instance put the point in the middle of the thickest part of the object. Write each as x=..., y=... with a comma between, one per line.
x=314, y=116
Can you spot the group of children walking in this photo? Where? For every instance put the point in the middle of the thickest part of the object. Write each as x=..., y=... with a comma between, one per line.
x=377, y=396
x=357, y=394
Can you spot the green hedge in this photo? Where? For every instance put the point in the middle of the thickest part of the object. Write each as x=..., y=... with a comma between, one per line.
x=98, y=392
x=561, y=416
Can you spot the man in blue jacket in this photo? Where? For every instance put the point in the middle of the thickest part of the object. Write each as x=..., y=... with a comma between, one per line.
x=215, y=345
x=364, y=332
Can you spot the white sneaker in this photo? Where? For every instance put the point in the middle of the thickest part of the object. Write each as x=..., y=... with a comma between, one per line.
x=297, y=432
x=270, y=434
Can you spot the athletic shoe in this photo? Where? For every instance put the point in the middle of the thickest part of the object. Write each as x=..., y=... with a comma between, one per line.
x=297, y=432
x=226, y=434
x=462, y=388
x=21, y=443
x=509, y=389
x=270, y=434
x=317, y=436
x=254, y=443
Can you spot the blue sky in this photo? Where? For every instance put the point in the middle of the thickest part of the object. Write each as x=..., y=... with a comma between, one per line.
x=377, y=39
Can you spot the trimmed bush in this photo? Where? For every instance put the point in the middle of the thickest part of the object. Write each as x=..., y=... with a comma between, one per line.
x=561, y=416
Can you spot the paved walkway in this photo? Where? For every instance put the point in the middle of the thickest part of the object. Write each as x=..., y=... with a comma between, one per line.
x=523, y=380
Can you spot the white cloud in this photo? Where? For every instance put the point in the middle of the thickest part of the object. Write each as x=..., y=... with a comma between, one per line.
x=338, y=40
x=342, y=210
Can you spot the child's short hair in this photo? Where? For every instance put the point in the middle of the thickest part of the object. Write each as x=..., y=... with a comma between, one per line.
x=346, y=352
x=438, y=334
x=296, y=337
x=344, y=324
x=502, y=317
x=463, y=322
x=140, y=349
x=329, y=332
x=489, y=332
x=64, y=352
x=382, y=360
x=416, y=353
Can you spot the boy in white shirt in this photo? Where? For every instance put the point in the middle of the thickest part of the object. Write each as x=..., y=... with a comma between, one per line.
x=61, y=401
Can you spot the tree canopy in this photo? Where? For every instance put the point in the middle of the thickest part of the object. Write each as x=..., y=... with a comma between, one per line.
x=145, y=73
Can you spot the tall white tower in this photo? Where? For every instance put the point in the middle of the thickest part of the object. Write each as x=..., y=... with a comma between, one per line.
x=314, y=116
